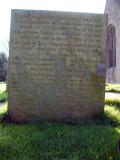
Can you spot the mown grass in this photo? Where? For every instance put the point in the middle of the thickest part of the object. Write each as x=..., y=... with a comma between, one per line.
x=55, y=141
x=91, y=140
x=95, y=139
x=113, y=88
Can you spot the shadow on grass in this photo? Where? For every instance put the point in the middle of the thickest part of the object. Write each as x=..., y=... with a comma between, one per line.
x=101, y=120
x=113, y=91
x=104, y=120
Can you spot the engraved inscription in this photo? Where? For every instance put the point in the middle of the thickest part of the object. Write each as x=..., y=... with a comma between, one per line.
x=56, y=65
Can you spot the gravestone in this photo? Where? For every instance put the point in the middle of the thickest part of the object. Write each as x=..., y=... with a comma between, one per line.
x=56, y=65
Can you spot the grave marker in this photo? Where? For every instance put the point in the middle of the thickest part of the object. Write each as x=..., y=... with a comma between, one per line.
x=56, y=66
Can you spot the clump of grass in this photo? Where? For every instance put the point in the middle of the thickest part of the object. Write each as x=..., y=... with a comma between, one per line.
x=113, y=114
x=112, y=110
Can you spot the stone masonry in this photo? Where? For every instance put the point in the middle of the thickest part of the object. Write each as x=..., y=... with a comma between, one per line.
x=113, y=10
x=56, y=66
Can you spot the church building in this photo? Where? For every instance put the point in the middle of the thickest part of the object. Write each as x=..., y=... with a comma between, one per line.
x=113, y=41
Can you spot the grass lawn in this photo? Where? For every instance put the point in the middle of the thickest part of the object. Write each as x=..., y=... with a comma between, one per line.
x=91, y=140
x=113, y=87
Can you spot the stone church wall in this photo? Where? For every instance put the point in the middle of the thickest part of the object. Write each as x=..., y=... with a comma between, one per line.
x=113, y=11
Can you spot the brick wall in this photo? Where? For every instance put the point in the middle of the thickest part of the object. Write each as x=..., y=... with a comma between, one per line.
x=113, y=10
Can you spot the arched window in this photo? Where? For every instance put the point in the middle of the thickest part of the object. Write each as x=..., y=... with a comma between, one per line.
x=111, y=46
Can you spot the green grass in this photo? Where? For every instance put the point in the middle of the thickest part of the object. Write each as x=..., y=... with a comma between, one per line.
x=3, y=109
x=3, y=97
x=95, y=139
x=3, y=92
x=55, y=141
x=113, y=101
x=113, y=88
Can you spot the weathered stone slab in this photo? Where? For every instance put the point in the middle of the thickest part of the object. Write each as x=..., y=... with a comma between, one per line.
x=56, y=66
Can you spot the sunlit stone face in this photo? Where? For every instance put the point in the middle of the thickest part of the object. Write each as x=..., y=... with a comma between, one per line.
x=56, y=66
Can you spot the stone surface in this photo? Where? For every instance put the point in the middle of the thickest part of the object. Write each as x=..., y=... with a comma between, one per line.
x=56, y=65
x=113, y=10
